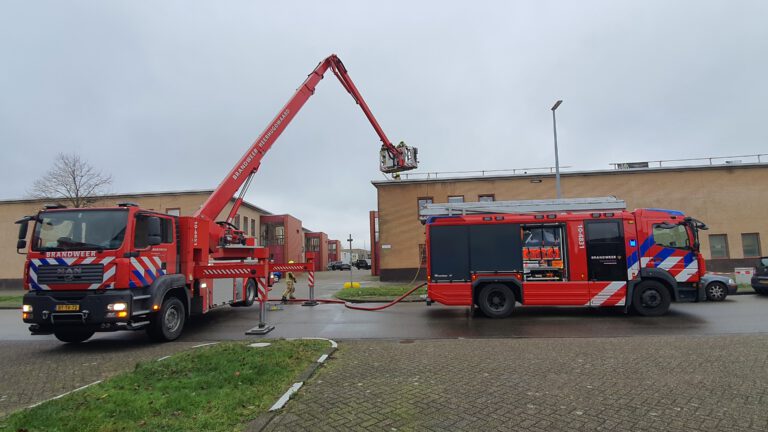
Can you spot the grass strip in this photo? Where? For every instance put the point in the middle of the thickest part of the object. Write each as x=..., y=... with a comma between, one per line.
x=378, y=293
x=11, y=301
x=214, y=388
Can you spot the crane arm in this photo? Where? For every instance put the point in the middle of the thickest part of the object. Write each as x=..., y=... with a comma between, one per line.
x=393, y=158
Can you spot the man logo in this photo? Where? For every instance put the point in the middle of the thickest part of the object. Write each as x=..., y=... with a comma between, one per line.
x=69, y=273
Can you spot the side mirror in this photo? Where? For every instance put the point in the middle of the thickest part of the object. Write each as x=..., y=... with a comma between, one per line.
x=23, y=227
x=154, y=236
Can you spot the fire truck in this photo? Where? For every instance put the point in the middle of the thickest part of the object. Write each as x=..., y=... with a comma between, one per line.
x=127, y=268
x=580, y=252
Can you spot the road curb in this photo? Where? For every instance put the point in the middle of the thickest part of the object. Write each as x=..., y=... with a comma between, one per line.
x=259, y=423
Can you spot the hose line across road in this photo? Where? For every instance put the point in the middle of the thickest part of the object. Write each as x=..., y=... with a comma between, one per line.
x=355, y=307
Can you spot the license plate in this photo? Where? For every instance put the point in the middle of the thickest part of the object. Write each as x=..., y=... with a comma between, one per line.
x=67, y=308
x=764, y=281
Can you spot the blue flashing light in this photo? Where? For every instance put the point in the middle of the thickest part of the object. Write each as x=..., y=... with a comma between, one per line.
x=668, y=211
x=633, y=242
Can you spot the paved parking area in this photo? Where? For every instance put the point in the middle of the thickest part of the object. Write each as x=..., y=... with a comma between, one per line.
x=630, y=384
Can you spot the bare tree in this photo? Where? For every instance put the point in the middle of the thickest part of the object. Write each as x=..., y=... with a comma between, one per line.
x=73, y=180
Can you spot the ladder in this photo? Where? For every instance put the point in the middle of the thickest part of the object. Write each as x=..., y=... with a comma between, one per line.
x=522, y=206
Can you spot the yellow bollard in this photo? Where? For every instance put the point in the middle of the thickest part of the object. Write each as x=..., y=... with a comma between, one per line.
x=351, y=284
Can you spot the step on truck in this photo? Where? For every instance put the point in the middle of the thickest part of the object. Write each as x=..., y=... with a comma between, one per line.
x=581, y=252
x=127, y=268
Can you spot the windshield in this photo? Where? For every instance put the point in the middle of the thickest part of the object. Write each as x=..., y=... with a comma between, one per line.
x=80, y=229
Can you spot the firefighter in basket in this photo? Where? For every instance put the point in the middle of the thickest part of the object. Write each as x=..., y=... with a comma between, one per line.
x=290, y=286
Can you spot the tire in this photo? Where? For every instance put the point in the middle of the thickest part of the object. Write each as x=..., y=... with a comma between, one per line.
x=496, y=300
x=73, y=335
x=167, y=324
x=250, y=293
x=716, y=291
x=651, y=298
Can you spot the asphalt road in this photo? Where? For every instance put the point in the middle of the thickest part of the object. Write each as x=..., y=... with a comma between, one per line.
x=736, y=315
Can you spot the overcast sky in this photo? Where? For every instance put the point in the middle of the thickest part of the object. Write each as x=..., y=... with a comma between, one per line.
x=168, y=95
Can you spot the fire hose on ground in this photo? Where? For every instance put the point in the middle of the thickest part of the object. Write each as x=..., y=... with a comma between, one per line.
x=349, y=305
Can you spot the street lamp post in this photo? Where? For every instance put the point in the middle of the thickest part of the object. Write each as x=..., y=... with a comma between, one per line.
x=557, y=159
x=350, y=260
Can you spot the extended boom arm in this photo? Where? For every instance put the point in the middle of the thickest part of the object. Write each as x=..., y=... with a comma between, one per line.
x=393, y=158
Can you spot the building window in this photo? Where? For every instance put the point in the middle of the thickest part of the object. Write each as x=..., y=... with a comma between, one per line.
x=245, y=225
x=454, y=199
x=422, y=255
x=750, y=244
x=253, y=227
x=421, y=202
x=718, y=246
x=173, y=211
x=486, y=198
x=313, y=244
x=237, y=221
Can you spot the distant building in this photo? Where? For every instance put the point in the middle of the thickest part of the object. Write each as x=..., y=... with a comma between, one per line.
x=317, y=242
x=356, y=254
x=284, y=237
x=334, y=250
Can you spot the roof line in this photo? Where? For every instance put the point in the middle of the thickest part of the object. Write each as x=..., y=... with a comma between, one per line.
x=378, y=183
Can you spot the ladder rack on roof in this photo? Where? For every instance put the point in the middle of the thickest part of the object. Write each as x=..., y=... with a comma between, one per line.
x=522, y=206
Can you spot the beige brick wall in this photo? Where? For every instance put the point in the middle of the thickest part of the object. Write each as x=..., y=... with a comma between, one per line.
x=731, y=200
x=12, y=264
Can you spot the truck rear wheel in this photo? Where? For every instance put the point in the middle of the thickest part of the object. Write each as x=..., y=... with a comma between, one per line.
x=496, y=300
x=167, y=324
x=651, y=298
x=73, y=335
x=250, y=294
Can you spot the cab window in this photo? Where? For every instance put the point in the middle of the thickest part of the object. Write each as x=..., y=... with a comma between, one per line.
x=673, y=237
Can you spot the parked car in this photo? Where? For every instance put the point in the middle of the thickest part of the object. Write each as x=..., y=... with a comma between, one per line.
x=717, y=287
x=338, y=265
x=363, y=264
x=760, y=278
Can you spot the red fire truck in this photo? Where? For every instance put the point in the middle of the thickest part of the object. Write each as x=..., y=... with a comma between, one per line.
x=126, y=268
x=640, y=260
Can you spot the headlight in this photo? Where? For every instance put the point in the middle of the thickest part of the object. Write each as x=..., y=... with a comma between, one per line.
x=731, y=282
x=26, y=308
x=117, y=306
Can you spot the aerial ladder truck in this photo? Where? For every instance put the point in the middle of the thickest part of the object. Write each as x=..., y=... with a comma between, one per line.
x=127, y=268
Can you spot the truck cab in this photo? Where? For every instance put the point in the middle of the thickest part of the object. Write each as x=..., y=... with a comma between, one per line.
x=91, y=270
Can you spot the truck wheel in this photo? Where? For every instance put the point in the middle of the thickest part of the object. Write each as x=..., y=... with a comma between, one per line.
x=716, y=291
x=250, y=293
x=496, y=300
x=166, y=325
x=651, y=299
x=73, y=335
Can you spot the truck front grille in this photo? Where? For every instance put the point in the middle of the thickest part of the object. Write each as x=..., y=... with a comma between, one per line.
x=78, y=274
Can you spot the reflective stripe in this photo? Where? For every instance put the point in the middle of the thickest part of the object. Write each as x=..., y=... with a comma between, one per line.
x=606, y=293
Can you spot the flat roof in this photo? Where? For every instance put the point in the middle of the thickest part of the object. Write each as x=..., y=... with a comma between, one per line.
x=448, y=178
x=142, y=194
